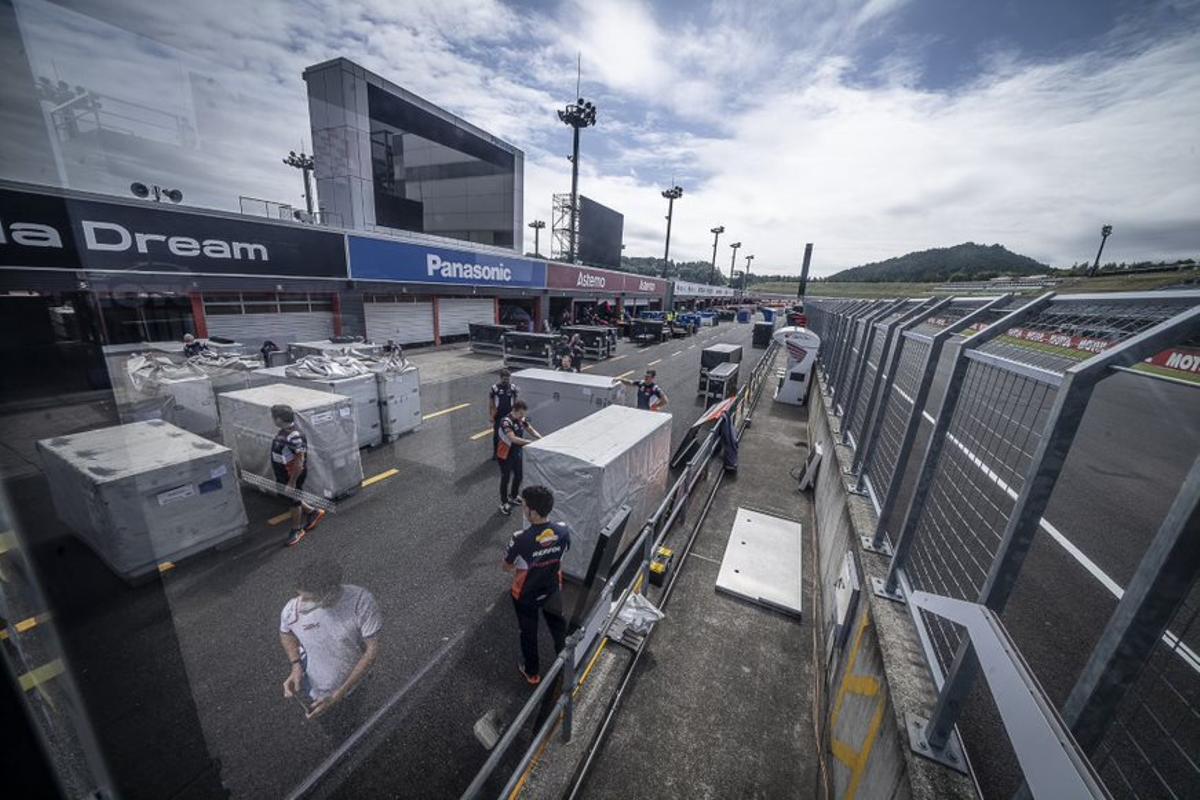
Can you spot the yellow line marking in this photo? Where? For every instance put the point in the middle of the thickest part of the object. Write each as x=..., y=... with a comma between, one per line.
x=481, y=434
x=383, y=476
x=624, y=374
x=867, y=686
x=166, y=567
x=458, y=407
x=36, y=677
x=25, y=625
x=655, y=361
x=279, y=518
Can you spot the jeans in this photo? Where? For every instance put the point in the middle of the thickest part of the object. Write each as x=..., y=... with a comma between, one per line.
x=527, y=622
x=512, y=469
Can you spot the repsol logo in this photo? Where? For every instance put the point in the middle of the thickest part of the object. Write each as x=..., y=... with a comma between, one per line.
x=465, y=270
x=588, y=281
x=113, y=238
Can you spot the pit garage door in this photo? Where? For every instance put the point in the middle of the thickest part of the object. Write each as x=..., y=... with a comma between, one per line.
x=402, y=322
x=455, y=313
x=288, y=326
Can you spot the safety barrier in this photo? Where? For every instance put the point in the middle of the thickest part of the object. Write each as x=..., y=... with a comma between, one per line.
x=1018, y=386
x=653, y=532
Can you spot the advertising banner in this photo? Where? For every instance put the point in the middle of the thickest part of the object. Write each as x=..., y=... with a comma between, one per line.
x=49, y=231
x=590, y=279
x=404, y=262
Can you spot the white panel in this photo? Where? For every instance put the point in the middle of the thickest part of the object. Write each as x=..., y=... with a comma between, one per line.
x=253, y=329
x=762, y=561
x=455, y=313
x=403, y=323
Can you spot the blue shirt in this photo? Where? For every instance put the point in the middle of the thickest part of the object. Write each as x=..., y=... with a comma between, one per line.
x=537, y=554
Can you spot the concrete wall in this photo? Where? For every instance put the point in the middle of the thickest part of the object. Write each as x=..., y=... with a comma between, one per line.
x=876, y=673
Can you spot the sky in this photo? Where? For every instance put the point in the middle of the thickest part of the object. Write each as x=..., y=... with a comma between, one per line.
x=868, y=127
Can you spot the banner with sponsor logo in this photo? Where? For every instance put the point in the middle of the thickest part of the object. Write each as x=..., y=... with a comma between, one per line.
x=404, y=262
x=689, y=289
x=55, y=232
x=590, y=279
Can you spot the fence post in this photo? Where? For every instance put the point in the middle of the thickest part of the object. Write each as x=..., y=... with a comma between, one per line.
x=839, y=317
x=845, y=346
x=849, y=366
x=568, y=684
x=860, y=368
x=892, y=350
x=889, y=587
x=1040, y=478
x=879, y=542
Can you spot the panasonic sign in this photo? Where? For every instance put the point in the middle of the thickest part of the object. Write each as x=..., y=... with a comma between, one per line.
x=466, y=271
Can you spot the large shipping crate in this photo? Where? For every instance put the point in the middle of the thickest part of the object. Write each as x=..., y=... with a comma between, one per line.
x=399, y=401
x=325, y=347
x=362, y=389
x=326, y=420
x=144, y=493
x=557, y=399
x=614, y=457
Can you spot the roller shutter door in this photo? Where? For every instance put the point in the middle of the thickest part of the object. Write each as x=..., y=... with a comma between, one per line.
x=254, y=329
x=403, y=323
x=455, y=313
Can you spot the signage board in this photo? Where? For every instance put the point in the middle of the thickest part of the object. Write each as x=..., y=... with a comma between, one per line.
x=52, y=232
x=404, y=262
x=588, y=279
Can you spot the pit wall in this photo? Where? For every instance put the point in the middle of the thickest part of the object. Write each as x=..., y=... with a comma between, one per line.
x=875, y=667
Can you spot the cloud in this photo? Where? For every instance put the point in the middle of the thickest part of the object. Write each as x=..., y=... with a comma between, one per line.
x=757, y=110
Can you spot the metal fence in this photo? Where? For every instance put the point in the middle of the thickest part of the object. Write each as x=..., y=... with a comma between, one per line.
x=563, y=675
x=1017, y=389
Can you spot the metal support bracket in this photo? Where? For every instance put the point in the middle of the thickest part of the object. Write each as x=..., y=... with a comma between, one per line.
x=879, y=587
x=884, y=548
x=949, y=756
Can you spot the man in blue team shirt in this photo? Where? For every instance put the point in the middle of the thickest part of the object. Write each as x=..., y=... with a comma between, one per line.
x=650, y=396
x=289, y=463
x=535, y=555
x=500, y=402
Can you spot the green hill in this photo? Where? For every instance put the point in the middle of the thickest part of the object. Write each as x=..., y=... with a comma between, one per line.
x=963, y=262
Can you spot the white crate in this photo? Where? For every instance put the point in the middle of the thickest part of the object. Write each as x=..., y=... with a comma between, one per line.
x=614, y=457
x=558, y=399
x=326, y=420
x=399, y=402
x=361, y=389
x=144, y=493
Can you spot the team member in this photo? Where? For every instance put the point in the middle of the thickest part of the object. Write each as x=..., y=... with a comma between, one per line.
x=575, y=348
x=329, y=632
x=515, y=433
x=289, y=462
x=500, y=402
x=535, y=556
x=650, y=396
x=192, y=346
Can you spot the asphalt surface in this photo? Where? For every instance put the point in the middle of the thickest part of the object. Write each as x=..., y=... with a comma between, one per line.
x=195, y=655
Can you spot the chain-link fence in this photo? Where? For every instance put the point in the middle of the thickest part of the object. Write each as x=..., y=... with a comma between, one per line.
x=1016, y=391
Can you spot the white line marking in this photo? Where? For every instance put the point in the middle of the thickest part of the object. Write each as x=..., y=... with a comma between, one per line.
x=676, y=353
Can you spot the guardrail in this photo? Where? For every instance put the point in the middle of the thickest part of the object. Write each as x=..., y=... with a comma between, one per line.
x=650, y=537
x=1019, y=384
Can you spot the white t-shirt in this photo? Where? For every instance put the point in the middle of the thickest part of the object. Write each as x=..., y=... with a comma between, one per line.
x=332, y=637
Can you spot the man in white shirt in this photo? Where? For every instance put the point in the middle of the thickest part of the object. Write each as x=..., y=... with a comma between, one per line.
x=329, y=632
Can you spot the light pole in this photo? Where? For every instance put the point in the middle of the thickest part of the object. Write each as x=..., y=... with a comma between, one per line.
x=1105, y=232
x=672, y=194
x=537, y=226
x=746, y=276
x=304, y=163
x=580, y=114
x=716, y=232
x=732, y=258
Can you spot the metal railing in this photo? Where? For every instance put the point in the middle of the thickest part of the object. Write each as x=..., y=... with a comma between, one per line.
x=652, y=534
x=1018, y=386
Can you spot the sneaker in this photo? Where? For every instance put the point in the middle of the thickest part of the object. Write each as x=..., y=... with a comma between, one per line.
x=294, y=537
x=314, y=519
x=532, y=680
x=505, y=509
x=515, y=501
